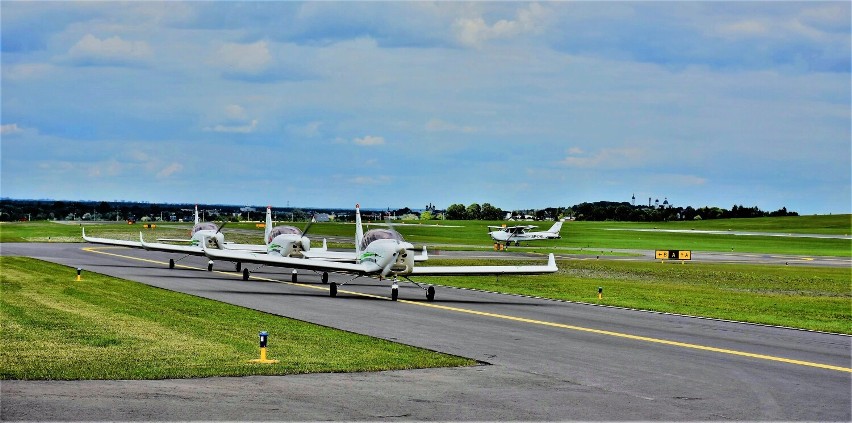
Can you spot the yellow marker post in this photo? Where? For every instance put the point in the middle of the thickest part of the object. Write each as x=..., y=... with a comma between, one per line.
x=600, y=292
x=79, y=278
x=263, y=360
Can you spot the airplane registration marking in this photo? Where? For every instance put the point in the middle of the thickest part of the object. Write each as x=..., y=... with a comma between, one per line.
x=522, y=319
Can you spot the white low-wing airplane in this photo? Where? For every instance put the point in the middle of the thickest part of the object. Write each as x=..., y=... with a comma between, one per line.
x=381, y=253
x=203, y=234
x=520, y=233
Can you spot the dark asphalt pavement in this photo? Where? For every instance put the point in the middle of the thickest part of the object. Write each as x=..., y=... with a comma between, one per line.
x=547, y=360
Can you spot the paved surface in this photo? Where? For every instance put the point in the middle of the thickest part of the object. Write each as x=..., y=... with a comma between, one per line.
x=546, y=360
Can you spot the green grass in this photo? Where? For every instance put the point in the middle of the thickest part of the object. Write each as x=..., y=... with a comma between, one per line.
x=54, y=328
x=594, y=236
x=815, y=298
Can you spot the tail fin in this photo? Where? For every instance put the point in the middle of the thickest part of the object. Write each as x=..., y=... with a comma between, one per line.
x=196, y=214
x=556, y=227
x=359, y=231
x=268, y=228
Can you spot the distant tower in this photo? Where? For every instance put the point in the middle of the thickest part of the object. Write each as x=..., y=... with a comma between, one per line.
x=657, y=203
x=649, y=201
x=666, y=203
x=634, y=199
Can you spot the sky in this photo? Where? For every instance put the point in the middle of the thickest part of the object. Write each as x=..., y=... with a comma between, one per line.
x=522, y=105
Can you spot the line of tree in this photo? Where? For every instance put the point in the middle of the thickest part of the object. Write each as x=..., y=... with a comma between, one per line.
x=626, y=212
x=14, y=210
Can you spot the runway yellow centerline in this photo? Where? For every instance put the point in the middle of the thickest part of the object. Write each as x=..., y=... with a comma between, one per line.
x=524, y=320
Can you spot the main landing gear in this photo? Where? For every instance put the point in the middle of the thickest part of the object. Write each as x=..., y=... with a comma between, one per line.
x=173, y=261
x=430, y=290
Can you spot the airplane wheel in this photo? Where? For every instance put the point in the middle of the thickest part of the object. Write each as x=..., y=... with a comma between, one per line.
x=394, y=294
x=245, y=274
x=324, y=277
x=295, y=277
x=210, y=266
x=332, y=289
x=430, y=294
x=238, y=266
x=171, y=263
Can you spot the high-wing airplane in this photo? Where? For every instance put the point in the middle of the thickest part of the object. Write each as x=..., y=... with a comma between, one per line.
x=381, y=253
x=520, y=233
x=203, y=234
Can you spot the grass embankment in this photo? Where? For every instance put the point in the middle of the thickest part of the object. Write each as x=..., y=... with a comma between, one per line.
x=815, y=298
x=106, y=328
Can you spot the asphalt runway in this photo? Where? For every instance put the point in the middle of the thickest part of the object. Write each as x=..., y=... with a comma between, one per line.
x=542, y=359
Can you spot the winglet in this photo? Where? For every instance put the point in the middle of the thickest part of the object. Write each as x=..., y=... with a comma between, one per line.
x=359, y=232
x=268, y=228
x=551, y=262
x=425, y=254
x=142, y=241
x=84, y=232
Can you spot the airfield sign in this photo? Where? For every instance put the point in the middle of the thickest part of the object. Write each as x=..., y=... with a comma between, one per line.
x=674, y=254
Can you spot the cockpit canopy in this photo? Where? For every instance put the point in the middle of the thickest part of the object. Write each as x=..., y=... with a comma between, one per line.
x=374, y=234
x=283, y=230
x=205, y=226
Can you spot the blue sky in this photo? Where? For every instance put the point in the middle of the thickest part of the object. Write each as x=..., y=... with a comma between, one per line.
x=393, y=104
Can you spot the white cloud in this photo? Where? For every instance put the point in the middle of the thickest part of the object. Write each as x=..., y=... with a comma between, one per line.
x=475, y=31
x=169, y=170
x=244, y=58
x=109, y=51
x=438, y=125
x=239, y=129
x=25, y=71
x=371, y=180
x=369, y=140
x=10, y=129
x=235, y=111
x=745, y=27
x=607, y=158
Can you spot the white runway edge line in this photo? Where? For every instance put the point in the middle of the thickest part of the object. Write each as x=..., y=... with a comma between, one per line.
x=525, y=320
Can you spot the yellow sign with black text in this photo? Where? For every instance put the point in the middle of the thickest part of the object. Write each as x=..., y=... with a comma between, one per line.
x=674, y=254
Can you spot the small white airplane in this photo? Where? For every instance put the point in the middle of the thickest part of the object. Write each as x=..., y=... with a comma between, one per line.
x=381, y=253
x=520, y=233
x=203, y=234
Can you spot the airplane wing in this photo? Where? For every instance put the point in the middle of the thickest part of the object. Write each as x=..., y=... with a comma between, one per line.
x=486, y=270
x=293, y=263
x=108, y=241
x=171, y=248
x=254, y=248
x=340, y=256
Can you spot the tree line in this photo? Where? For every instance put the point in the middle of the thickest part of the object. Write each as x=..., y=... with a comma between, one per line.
x=15, y=210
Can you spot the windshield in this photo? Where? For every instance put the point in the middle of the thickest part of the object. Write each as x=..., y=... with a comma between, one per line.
x=374, y=234
x=283, y=230
x=205, y=226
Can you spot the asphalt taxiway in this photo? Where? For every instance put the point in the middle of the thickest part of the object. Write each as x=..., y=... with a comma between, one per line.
x=542, y=359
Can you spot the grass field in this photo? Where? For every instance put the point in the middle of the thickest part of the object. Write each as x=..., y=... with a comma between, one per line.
x=599, y=236
x=815, y=298
x=53, y=328
x=106, y=328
